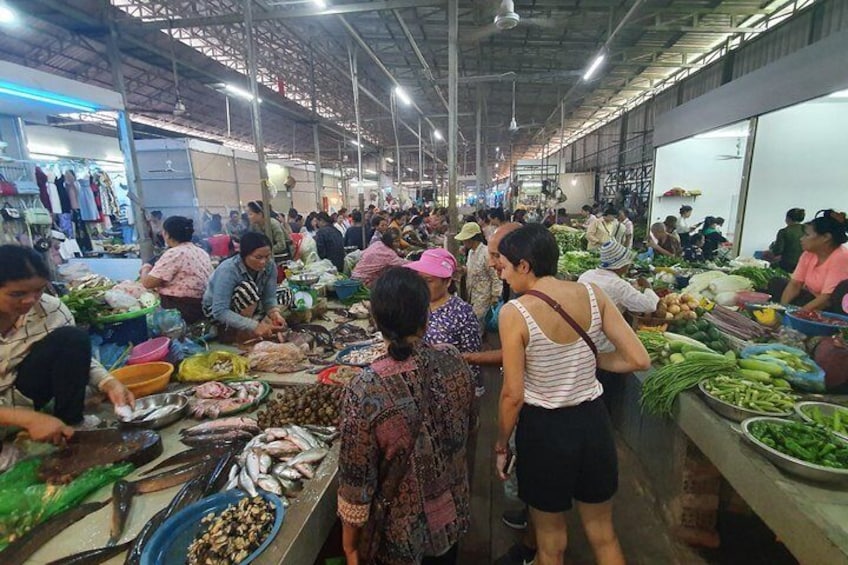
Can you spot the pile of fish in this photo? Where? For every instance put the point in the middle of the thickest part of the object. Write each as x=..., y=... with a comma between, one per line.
x=222, y=432
x=278, y=459
x=315, y=340
x=234, y=534
x=213, y=399
x=270, y=357
x=345, y=335
x=363, y=355
x=147, y=414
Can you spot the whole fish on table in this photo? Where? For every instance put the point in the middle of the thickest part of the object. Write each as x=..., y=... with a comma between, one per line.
x=191, y=455
x=22, y=549
x=234, y=423
x=93, y=556
x=123, y=493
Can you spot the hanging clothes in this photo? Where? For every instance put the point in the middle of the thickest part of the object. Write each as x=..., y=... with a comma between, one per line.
x=107, y=195
x=43, y=192
x=72, y=188
x=81, y=230
x=64, y=200
x=87, y=203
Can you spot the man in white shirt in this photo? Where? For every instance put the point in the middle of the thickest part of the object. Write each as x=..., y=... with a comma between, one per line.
x=615, y=262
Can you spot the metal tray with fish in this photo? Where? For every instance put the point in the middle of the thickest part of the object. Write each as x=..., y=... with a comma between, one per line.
x=155, y=411
x=361, y=355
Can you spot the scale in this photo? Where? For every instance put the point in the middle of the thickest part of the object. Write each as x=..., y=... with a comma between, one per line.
x=303, y=295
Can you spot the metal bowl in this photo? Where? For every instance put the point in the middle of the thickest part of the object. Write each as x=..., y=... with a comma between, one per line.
x=826, y=408
x=303, y=280
x=790, y=464
x=733, y=412
x=159, y=400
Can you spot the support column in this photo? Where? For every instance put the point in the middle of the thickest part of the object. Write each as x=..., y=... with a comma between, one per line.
x=127, y=143
x=453, y=125
x=319, y=176
x=481, y=172
x=420, y=160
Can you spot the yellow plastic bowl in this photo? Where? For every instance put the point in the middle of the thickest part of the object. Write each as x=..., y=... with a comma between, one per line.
x=145, y=379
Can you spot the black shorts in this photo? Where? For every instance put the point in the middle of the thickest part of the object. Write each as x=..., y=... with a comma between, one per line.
x=564, y=454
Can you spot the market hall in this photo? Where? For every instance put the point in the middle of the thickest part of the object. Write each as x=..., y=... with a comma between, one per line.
x=435, y=281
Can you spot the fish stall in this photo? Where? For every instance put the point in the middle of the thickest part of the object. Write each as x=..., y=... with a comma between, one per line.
x=235, y=458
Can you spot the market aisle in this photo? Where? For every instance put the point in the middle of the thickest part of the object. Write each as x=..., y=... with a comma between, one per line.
x=644, y=536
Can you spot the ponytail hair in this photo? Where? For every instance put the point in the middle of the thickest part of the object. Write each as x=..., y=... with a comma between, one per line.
x=831, y=222
x=400, y=304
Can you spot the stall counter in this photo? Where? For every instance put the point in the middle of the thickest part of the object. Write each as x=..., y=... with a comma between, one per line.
x=811, y=520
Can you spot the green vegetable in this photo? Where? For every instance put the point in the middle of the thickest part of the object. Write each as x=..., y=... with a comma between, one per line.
x=752, y=375
x=808, y=442
x=835, y=421
x=87, y=304
x=662, y=386
x=772, y=369
x=655, y=343
x=577, y=262
x=676, y=358
x=704, y=356
x=751, y=394
x=760, y=277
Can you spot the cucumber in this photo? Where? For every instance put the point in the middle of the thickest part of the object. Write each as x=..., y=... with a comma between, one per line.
x=772, y=369
x=753, y=375
x=703, y=356
x=687, y=348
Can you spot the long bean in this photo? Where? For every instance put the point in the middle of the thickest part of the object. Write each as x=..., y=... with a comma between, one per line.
x=663, y=386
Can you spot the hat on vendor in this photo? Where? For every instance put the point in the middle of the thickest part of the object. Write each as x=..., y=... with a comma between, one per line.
x=437, y=263
x=469, y=230
x=615, y=256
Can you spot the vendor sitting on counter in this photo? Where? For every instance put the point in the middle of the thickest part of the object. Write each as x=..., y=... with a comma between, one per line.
x=44, y=356
x=821, y=278
x=242, y=293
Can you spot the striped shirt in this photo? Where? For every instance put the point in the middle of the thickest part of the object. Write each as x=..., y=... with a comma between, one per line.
x=557, y=375
x=47, y=315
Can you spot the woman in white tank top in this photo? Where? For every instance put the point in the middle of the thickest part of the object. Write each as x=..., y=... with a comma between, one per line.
x=564, y=441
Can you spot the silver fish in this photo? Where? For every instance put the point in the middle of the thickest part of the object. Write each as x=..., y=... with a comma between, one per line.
x=265, y=462
x=283, y=471
x=252, y=464
x=309, y=456
x=270, y=484
x=161, y=412
x=281, y=448
x=305, y=469
x=246, y=483
x=277, y=433
x=242, y=422
x=310, y=439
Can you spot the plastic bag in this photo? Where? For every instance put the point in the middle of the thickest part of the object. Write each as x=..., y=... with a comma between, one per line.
x=812, y=381
x=308, y=250
x=491, y=318
x=180, y=349
x=168, y=322
x=212, y=366
x=121, y=300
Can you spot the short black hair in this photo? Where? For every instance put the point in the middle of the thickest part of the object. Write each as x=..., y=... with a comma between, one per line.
x=292, y=213
x=180, y=228
x=685, y=208
x=829, y=222
x=235, y=213
x=587, y=208
x=696, y=237
x=670, y=221
x=156, y=214
x=356, y=216
x=251, y=241
x=390, y=236
x=497, y=214
x=416, y=221
x=720, y=221
x=400, y=304
x=21, y=263
x=796, y=215
x=535, y=244
x=256, y=207
x=611, y=211
x=376, y=220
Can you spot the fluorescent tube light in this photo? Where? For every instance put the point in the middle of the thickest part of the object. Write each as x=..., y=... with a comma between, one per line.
x=594, y=66
x=838, y=94
x=239, y=92
x=46, y=97
x=438, y=135
x=370, y=172
x=403, y=96
x=389, y=160
x=356, y=143
x=320, y=4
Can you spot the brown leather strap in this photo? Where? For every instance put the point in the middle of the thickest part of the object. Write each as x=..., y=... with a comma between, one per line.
x=555, y=305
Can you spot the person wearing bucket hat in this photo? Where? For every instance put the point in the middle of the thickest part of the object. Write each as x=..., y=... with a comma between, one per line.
x=484, y=286
x=615, y=262
x=452, y=320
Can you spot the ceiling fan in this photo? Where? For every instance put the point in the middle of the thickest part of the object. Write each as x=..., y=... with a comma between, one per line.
x=732, y=157
x=179, y=108
x=507, y=18
x=513, y=126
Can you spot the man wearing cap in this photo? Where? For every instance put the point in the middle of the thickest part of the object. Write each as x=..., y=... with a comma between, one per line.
x=615, y=262
x=484, y=286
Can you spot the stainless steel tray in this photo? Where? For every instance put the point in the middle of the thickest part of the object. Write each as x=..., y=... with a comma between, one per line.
x=159, y=400
x=733, y=412
x=826, y=409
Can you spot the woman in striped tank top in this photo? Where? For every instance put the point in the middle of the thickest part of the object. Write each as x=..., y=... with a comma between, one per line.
x=564, y=441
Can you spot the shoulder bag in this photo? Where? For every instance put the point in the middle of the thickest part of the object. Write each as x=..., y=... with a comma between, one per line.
x=37, y=215
x=555, y=305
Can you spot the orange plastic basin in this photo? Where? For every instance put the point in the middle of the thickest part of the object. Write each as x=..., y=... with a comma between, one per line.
x=145, y=379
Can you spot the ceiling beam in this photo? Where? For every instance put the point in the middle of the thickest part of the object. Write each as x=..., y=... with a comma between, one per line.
x=285, y=13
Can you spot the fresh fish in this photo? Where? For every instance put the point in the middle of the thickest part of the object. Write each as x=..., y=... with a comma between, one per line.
x=305, y=469
x=283, y=471
x=237, y=437
x=252, y=465
x=282, y=448
x=122, y=495
x=310, y=456
x=161, y=412
x=277, y=433
x=234, y=422
x=265, y=462
x=319, y=429
x=246, y=483
x=301, y=442
x=270, y=484
x=310, y=439
x=93, y=556
x=124, y=412
x=136, y=415
x=188, y=456
x=21, y=549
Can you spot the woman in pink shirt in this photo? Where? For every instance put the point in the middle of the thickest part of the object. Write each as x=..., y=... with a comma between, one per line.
x=379, y=256
x=821, y=278
x=183, y=271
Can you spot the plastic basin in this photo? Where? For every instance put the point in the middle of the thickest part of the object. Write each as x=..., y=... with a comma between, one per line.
x=145, y=379
x=811, y=328
x=150, y=351
x=346, y=288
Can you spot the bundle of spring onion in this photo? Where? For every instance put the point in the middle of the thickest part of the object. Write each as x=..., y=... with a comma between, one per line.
x=736, y=324
x=663, y=385
x=656, y=344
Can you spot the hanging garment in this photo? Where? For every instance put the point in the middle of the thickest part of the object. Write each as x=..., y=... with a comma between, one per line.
x=88, y=205
x=72, y=187
x=107, y=194
x=64, y=201
x=43, y=192
x=81, y=231
x=66, y=224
